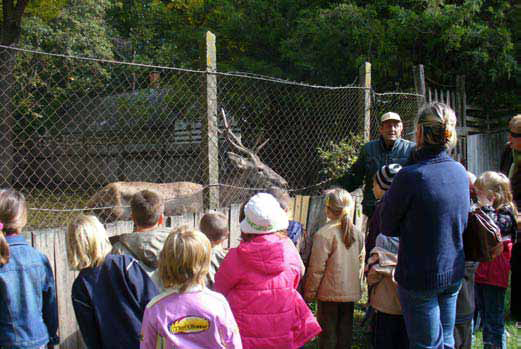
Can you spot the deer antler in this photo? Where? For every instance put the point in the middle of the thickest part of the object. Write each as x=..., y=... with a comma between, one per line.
x=236, y=141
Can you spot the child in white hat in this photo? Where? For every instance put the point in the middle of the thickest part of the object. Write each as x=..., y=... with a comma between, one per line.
x=260, y=278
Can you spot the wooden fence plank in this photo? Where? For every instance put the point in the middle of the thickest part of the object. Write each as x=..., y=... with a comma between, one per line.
x=316, y=215
x=235, y=231
x=291, y=209
x=305, y=211
x=297, y=214
x=69, y=330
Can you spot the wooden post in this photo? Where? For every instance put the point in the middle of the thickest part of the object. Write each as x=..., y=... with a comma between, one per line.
x=365, y=82
x=419, y=83
x=210, y=138
x=462, y=111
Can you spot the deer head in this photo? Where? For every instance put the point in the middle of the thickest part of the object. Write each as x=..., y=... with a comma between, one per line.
x=255, y=172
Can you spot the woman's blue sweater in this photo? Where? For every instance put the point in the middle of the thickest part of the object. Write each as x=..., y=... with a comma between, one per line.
x=427, y=207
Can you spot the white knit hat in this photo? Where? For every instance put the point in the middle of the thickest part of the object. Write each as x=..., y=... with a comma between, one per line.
x=263, y=214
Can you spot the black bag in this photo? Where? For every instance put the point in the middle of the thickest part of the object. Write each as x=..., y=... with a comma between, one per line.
x=482, y=238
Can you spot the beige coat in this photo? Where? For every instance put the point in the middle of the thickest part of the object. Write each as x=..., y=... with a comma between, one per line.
x=335, y=273
x=383, y=288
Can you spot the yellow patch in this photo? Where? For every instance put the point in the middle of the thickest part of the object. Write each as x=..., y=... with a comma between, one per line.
x=189, y=324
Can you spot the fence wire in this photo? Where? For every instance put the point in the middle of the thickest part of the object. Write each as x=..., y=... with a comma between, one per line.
x=71, y=126
x=405, y=104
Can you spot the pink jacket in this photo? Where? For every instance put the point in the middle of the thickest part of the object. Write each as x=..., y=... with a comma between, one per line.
x=259, y=278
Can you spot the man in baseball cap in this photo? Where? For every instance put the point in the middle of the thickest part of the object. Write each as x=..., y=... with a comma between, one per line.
x=389, y=148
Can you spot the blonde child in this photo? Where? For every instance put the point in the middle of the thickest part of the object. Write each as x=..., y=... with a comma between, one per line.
x=335, y=271
x=111, y=291
x=260, y=278
x=495, y=198
x=215, y=226
x=187, y=314
x=29, y=315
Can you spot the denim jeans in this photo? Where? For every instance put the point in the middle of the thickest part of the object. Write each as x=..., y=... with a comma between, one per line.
x=429, y=316
x=491, y=303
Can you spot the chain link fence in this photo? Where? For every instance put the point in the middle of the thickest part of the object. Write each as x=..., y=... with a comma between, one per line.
x=73, y=125
x=405, y=104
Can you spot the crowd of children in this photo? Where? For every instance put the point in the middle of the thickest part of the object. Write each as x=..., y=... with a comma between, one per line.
x=157, y=288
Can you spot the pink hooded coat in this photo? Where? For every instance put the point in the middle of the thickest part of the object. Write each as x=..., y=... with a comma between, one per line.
x=259, y=278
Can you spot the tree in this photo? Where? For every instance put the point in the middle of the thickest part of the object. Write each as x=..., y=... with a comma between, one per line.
x=10, y=35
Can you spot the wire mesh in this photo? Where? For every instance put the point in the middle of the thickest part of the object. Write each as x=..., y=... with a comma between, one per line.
x=405, y=104
x=77, y=130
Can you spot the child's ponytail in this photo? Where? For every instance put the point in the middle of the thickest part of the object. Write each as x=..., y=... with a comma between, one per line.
x=4, y=247
x=340, y=203
x=347, y=228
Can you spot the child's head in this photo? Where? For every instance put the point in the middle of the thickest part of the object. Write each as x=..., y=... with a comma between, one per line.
x=383, y=178
x=215, y=226
x=282, y=196
x=339, y=204
x=263, y=215
x=494, y=188
x=13, y=217
x=185, y=259
x=87, y=242
x=472, y=179
x=147, y=209
x=13, y=211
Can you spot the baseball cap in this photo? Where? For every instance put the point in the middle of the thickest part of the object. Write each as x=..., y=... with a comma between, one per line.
x=390, y=116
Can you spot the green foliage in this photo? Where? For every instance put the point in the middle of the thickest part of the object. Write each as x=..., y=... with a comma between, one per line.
x=50, y=86
x=337, y=158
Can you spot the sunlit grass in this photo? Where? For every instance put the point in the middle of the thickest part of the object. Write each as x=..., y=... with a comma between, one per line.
x=360, y=340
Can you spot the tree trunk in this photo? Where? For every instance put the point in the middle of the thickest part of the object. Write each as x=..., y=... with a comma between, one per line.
x=7, y=114
x=10, y=35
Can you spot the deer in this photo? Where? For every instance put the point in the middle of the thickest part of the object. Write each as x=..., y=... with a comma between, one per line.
x=112, y=202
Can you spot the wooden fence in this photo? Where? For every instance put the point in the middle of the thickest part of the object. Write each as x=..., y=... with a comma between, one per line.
x=307, y=210
x=484, y=151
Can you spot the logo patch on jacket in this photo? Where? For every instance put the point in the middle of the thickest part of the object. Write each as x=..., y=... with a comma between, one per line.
x=189, y=324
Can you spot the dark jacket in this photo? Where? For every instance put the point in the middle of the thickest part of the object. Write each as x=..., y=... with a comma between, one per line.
x=465, y=305
x=110, y=300
x=427, y=206
x=373, y=229
x=28, y=310
x=515, y=181
x=373, y=156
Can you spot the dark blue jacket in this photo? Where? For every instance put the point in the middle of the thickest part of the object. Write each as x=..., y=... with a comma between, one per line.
x=427, y=206
x=28, y=310
x=110, y=300
x=372, y=157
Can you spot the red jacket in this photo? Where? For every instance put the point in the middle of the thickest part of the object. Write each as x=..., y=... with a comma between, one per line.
x=496, y=272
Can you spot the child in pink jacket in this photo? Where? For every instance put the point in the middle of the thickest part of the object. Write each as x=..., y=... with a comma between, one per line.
x=187, y=314
x=260, y=277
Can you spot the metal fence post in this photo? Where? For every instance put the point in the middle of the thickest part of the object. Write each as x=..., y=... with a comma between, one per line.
x=210, y=137
x=365, y=81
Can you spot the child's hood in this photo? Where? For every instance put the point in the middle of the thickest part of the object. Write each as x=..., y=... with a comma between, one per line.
x=264, y=253
x=145, y=246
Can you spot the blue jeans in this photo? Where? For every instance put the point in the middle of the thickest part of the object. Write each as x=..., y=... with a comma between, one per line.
x=491, y=304
x=429, y=316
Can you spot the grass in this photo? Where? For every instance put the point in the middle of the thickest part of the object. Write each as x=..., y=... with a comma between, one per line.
x=360, y=340
x=43, y=199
